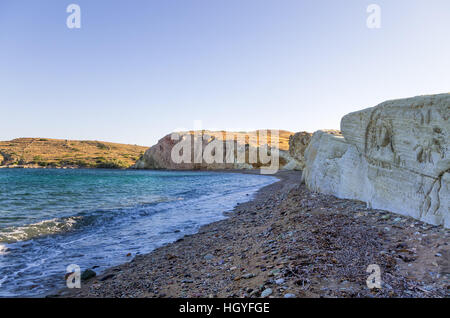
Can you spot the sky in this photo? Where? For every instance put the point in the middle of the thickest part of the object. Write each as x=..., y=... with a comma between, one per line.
x=138, y=69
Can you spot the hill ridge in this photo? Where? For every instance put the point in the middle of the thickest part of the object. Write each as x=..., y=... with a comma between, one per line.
x=29, y=152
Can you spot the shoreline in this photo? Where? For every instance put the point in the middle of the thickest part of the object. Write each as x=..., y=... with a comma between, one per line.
x=288, y=242
x=280, y=175
x=144, y=235
x=244, y=171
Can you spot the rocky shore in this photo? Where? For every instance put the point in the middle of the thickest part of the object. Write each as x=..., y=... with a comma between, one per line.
x=289, y=242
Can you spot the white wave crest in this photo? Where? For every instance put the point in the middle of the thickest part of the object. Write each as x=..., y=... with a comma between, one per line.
x=42, y=228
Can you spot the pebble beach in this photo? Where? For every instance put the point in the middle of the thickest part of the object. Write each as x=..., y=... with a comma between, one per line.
x=288, y=242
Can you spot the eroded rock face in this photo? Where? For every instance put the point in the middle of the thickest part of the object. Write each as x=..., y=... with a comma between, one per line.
x=221, y=145
x=297, y=145
x=394, y=156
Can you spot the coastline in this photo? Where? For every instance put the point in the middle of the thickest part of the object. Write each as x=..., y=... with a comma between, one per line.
x=287, y=242
x=102, y=216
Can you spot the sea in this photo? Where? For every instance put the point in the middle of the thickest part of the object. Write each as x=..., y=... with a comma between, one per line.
x=97, y=218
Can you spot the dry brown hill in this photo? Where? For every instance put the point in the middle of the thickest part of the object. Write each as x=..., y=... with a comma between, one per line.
x=159, y=156
x=43, y=152
x=251, y=137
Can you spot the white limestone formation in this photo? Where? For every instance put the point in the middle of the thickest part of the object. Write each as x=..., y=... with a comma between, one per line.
x=394, y=156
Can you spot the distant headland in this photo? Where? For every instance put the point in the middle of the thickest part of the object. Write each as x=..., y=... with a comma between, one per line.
x=63, y=153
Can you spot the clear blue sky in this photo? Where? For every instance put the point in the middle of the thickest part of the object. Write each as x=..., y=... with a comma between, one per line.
x=137, y=70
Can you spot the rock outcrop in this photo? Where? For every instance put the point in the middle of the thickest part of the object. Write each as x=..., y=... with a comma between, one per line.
x=297, y=145
x=223, y=146
x=394, y=156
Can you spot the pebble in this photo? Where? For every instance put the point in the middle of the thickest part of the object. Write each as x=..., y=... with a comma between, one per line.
x=87, y=274
x=274, y=272
x=279, y=281
x=187, y=281
x=267, y=292
x=208, y=257
x=106, y=277
x=288, y=295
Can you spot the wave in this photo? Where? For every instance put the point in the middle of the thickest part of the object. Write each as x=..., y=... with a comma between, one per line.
x=66, y=224
x=101, y=217
x=42, y=228
x=3, y=250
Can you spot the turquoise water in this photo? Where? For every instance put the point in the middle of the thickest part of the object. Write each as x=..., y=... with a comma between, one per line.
x=50, y=219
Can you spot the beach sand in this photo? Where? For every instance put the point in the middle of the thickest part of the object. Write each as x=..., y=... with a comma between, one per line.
x=288, y=242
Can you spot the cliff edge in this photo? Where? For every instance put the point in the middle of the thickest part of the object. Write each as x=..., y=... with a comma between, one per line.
x=229, y=150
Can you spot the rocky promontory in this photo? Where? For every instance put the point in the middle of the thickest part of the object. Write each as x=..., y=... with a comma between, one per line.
x=229, y=150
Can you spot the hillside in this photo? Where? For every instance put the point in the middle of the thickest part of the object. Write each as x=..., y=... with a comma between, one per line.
x=159, y=156
x=251, y=137
x=42, y=152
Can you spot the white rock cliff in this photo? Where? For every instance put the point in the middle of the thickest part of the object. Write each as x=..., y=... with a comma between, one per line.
x=394, y=156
